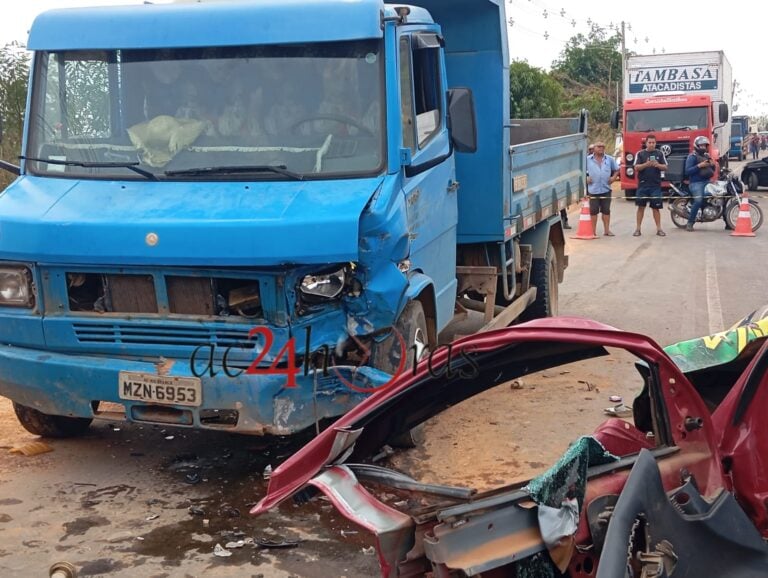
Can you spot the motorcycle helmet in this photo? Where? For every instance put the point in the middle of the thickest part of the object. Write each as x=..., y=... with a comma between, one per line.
x=700, y=143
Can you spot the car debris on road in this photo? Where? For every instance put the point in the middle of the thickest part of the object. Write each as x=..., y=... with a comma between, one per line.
x=653, y=492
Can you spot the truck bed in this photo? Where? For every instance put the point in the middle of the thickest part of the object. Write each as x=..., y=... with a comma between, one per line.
x=545, y=170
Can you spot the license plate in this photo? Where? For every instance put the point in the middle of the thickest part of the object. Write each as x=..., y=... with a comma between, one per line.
x=164, y=389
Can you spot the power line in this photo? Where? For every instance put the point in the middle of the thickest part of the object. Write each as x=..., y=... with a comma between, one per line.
x=541, y=19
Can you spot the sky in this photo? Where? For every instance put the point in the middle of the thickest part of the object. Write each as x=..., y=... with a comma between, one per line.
x=540, y=29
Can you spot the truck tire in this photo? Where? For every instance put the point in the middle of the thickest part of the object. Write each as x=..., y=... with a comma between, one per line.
x=741, y=157
x=629, y=194
x=412, y=325
x=50, y=426
x=544, y=277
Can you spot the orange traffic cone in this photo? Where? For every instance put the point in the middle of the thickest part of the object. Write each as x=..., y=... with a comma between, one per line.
x=744, y=222
x=585, y=223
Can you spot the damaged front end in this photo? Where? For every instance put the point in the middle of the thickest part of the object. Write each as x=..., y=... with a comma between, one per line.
x=638, y=512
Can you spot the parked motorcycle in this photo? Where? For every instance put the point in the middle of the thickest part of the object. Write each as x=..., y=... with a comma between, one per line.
x=722, y=199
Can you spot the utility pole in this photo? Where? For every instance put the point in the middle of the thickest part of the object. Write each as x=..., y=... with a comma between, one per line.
x=623, y=56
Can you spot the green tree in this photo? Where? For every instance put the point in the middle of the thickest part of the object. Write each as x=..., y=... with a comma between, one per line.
x=589, y=69
x=579, y=96
x=592, y=59
x=14, y=71
x=533, y=93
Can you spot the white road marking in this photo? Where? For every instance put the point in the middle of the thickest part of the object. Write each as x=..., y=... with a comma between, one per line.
x=714, y=307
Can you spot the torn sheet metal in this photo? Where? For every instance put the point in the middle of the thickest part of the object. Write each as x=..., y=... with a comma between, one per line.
x=393, y=530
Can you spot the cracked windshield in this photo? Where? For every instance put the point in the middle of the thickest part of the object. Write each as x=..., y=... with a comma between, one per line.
x=272, y=113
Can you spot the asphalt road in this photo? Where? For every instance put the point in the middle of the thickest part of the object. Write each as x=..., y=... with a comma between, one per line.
x=684, y=285
x=134, y=500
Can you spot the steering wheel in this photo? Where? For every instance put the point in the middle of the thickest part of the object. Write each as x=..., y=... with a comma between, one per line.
x=340, y=118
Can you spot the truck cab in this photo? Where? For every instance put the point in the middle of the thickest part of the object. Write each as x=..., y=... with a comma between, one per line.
x=676, y=121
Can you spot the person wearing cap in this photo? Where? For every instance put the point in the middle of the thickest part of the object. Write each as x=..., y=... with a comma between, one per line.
x=563, y=212
x=602, y=170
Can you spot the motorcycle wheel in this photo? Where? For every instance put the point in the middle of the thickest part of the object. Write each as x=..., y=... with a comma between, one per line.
x=682, y=206
x=755, y=214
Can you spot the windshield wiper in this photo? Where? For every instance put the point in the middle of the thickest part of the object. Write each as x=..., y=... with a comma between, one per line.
x=681, y=128
x=238, y=169
x=133, y=166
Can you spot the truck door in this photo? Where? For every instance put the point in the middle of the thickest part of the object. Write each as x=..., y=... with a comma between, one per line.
x=429, y=180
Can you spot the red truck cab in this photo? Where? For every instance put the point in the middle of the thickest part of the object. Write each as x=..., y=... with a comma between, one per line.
x=676, y=120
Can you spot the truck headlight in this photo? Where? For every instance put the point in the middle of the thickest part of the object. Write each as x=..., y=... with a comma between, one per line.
x=16, y=287
x=630, y=171
x=630, y=157
x=326, y=285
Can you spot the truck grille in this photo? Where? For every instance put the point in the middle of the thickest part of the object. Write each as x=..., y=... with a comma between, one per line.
x=678, y=147
x=157, y=335
x=184, y=294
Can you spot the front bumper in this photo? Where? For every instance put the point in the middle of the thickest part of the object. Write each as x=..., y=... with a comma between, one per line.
x=73, y=385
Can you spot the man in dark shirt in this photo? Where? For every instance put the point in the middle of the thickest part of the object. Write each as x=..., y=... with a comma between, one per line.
x=649, y=164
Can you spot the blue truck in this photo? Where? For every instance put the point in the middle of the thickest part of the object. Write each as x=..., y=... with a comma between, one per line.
x=739, y=132
x=248, y=215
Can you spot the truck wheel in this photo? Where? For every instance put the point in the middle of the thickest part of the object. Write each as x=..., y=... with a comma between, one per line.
x=544, y=277
x=50, y=426
x=741, y=157
x=412, y=325
x=629, y=194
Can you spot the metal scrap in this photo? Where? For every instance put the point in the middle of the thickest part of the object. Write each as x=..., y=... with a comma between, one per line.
x=269, y=543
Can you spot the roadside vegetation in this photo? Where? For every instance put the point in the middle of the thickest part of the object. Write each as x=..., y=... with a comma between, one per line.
x=14, y=71
x=587, y=75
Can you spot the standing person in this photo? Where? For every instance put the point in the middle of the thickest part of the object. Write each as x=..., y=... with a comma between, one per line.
x=754, y=146
x=699, y=168
x=649, y=164
x=602, y=170
x=563, y=212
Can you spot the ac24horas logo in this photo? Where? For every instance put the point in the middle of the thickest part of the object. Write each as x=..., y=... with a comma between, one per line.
x=207, y=352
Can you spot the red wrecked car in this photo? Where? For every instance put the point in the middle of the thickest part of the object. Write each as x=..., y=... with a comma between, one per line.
x=678, y=489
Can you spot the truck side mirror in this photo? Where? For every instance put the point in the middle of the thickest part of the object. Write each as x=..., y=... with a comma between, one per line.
x=723, y=112
x=614, y=119
x=462, y=120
